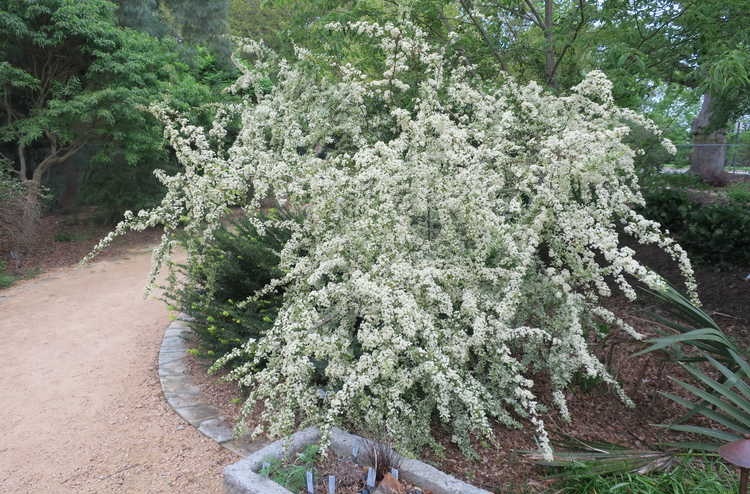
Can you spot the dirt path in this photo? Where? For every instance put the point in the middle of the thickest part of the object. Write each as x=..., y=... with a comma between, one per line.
x=81, y=408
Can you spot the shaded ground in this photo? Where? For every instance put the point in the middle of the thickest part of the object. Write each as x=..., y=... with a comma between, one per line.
x=81, y=402
x=63, y=240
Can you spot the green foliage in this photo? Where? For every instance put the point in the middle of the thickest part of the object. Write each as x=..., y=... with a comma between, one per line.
x=233, y=266
x=6, y=279
x=699, y=45
x=724, y=401
x=700, y=476
x=739, y=193
x=674, y=181
x=654, y=154
x=200, y=22
x=142, y=15
x=602, y=467
x=692, y=327
x=73, y=80
x=716, y=233
x=292, y=474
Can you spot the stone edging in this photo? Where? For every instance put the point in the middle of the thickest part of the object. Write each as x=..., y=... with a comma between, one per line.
x=187, y=399
x=242, y=477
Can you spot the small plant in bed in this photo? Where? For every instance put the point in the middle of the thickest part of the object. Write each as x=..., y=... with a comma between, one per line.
x=372, y=469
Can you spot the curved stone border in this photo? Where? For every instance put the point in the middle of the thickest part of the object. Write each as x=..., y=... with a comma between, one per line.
x=242, y=477
x=186, y=398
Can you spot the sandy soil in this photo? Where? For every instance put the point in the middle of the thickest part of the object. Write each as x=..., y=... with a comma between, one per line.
x=81, y=408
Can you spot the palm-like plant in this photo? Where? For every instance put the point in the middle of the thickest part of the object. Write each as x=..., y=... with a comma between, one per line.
x=693, y=327
x=725, y=401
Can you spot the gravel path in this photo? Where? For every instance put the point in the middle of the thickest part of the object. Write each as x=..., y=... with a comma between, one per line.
x=81, y=408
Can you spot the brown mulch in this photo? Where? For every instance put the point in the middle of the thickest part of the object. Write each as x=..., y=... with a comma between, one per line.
x=349, y=476
x=597, y=414
x=224, y=395
x=64, y=239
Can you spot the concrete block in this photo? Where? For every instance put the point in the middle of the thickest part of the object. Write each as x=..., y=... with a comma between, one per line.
x=242, y=477
x=216, y=429
x=196, y=414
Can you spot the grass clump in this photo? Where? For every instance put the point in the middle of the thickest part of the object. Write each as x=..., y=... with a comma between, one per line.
x=292, y=474
x=6, y=279
x=700, y=476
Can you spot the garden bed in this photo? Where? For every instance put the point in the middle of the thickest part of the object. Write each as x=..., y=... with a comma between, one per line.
x=597, y=415
x=244, y=477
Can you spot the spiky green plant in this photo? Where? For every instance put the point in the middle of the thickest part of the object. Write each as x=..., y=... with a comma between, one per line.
x=724, y=401
x=693, y=328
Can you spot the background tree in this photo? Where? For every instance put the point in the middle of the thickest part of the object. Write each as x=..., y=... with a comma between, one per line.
x=700, y=45
x=73, y=80
x=142, y=15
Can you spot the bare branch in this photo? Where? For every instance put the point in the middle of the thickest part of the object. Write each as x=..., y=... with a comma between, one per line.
x=468, y=8
x=537, y=17
x=57, y=156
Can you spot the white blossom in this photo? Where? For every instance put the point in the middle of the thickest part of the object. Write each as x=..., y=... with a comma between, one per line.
x=455, y=239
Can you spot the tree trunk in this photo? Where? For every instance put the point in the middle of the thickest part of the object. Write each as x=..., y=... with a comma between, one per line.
x=549, y=45
x=709, y=151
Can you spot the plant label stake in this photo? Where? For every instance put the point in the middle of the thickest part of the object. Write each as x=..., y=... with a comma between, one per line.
x=394, y=473
x=265, y=466
x=370, y=477
x=310, y=484
x=331, y=484
x=738, y=454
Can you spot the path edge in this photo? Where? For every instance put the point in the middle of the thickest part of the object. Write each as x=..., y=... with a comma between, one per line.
x=187, y=399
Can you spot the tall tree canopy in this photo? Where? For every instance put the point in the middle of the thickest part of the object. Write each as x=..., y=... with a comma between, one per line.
x=72, y=78
x=644, y=46
x=196, y=22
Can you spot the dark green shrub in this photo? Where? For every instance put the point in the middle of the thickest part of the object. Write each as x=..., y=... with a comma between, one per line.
x=716, y=233
x=235, y=264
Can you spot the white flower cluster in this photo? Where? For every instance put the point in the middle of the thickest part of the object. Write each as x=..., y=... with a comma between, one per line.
x=455, y=242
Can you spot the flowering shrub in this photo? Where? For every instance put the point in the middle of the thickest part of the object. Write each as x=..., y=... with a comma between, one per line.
x=455, y=241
